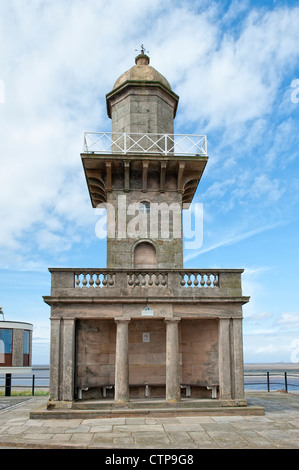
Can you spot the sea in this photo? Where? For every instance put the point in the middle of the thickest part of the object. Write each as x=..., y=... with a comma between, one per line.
x=272, y=376
x=263, y=377
x=39, y=378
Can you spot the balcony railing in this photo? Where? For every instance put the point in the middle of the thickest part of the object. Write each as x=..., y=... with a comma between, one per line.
x=163, y=144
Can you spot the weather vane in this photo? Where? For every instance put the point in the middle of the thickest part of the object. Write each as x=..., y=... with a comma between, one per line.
x=142, y=49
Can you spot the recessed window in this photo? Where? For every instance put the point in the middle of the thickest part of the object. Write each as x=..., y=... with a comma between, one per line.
x=145, y=256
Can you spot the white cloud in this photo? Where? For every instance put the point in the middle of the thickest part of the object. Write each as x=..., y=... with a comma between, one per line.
x=272, y=348
x=289, y=320
x=237, y=79
x=269, y=190
x=235, y=8
x=258, y=317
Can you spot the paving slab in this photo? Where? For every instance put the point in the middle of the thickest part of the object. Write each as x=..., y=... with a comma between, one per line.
x=277, y=429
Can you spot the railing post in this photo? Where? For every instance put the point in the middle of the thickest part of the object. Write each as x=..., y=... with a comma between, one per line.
x=286, y=382
x=33, y=383
x=165, y=144
x=268, y=381
x=7, y=385
x=125, y=142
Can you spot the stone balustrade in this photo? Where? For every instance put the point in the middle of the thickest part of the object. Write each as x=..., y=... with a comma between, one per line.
x=150, y=282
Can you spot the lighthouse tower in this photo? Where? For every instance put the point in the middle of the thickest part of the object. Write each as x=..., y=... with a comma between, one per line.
x=144, y=326
x=142, y=179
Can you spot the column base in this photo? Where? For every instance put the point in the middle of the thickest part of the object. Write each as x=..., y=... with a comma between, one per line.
x=121, y=402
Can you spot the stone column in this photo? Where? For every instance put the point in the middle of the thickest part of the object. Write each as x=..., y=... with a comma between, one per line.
x=17, y=347
x=54, y=359
x=68, y=359
x=225, y=384
x=122, y=360
x=238, y=366
x=173, y=390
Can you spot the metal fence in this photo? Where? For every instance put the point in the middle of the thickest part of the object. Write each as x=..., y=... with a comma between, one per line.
x=39, y=380
x=20, y=383
x=270, y=381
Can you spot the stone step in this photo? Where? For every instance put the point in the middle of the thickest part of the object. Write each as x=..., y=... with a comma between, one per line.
x=138, y=408
x=154, y=412
x=153, y=404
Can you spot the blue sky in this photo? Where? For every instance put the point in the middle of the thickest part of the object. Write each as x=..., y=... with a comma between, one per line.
x=233, y=64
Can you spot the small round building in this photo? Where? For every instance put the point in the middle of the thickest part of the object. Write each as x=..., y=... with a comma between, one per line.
x=15, y=346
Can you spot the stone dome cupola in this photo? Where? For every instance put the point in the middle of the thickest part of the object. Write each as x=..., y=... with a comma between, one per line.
x=142, y=100
x=142, y=72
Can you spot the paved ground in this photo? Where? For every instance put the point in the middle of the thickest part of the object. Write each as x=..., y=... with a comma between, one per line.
x=279, y=428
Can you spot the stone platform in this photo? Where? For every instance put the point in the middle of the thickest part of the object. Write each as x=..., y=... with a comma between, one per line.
x=88, y=409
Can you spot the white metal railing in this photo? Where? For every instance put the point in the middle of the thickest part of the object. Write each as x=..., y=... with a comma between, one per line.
x=166, y=144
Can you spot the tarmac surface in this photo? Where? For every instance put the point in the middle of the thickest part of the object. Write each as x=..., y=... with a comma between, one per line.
x=277, y=429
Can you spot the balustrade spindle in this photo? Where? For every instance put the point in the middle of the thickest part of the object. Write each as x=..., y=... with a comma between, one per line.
x=84, y=282
x=130, y=281
x=111, y=280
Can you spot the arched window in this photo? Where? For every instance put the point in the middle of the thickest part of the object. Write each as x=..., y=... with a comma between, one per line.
x=145, y=256
x=144, y=207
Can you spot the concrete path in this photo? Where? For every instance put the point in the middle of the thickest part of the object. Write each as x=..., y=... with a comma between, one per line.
x=279, y=428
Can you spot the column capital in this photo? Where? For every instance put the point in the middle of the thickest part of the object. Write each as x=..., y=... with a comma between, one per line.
x=172, y=319
x=122, y=319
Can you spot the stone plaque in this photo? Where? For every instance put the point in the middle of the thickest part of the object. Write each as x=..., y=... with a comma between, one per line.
x=147, y=312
